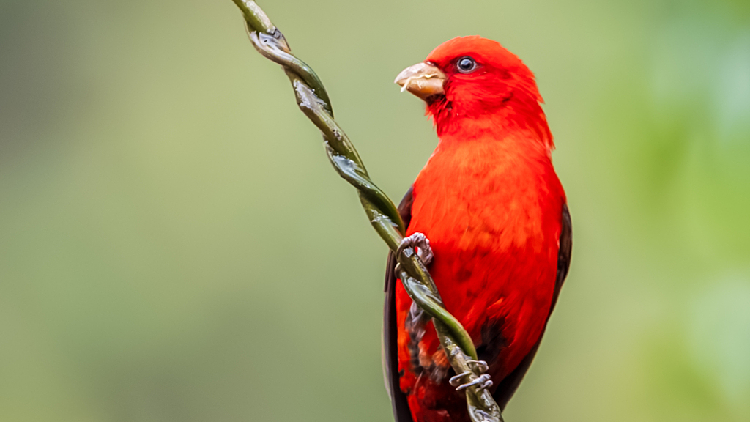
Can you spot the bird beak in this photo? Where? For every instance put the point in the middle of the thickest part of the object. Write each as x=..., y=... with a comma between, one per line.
x=423, y=80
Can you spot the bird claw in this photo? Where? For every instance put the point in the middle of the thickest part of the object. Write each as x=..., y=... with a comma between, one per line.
x=481, y=382
x=477, y=367
x=420, y=244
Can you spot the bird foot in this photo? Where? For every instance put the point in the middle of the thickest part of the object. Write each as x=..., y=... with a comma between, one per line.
x=420, y=244
x=477, y=367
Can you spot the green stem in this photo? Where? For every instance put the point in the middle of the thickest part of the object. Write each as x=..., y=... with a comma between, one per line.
x=313, y=100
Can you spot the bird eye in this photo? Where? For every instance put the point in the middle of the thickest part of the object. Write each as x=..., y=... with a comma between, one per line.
x=466, y=64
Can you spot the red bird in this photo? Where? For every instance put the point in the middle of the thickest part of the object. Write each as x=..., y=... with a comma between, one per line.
x=496, y=217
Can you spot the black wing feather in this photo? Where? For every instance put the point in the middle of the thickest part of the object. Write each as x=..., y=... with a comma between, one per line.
x=401, y=412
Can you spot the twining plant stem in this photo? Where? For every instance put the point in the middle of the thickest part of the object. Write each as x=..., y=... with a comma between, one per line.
x=313, y=100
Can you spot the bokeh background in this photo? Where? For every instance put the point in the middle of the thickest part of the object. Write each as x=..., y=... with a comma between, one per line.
x=174, y=245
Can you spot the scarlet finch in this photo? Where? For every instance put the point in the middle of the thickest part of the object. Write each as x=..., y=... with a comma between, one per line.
x=495, y=214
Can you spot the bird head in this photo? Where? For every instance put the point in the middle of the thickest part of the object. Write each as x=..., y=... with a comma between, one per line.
x=476, y=81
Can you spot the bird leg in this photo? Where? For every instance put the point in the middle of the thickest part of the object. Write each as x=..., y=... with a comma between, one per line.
x=420, y=244
x=417, y=318
x=477, y=367
x=416, y=325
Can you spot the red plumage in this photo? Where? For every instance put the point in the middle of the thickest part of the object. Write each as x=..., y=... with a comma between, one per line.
x=494, y=211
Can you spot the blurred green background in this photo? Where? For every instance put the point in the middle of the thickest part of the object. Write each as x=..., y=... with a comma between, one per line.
x=174, y=245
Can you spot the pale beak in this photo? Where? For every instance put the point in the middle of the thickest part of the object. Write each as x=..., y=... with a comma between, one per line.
x=423, y=80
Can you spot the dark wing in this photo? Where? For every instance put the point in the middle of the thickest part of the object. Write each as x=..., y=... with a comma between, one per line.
x=401, y=411
x=508, y=385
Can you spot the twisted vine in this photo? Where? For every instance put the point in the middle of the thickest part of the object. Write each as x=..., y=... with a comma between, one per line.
x=314, y=102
